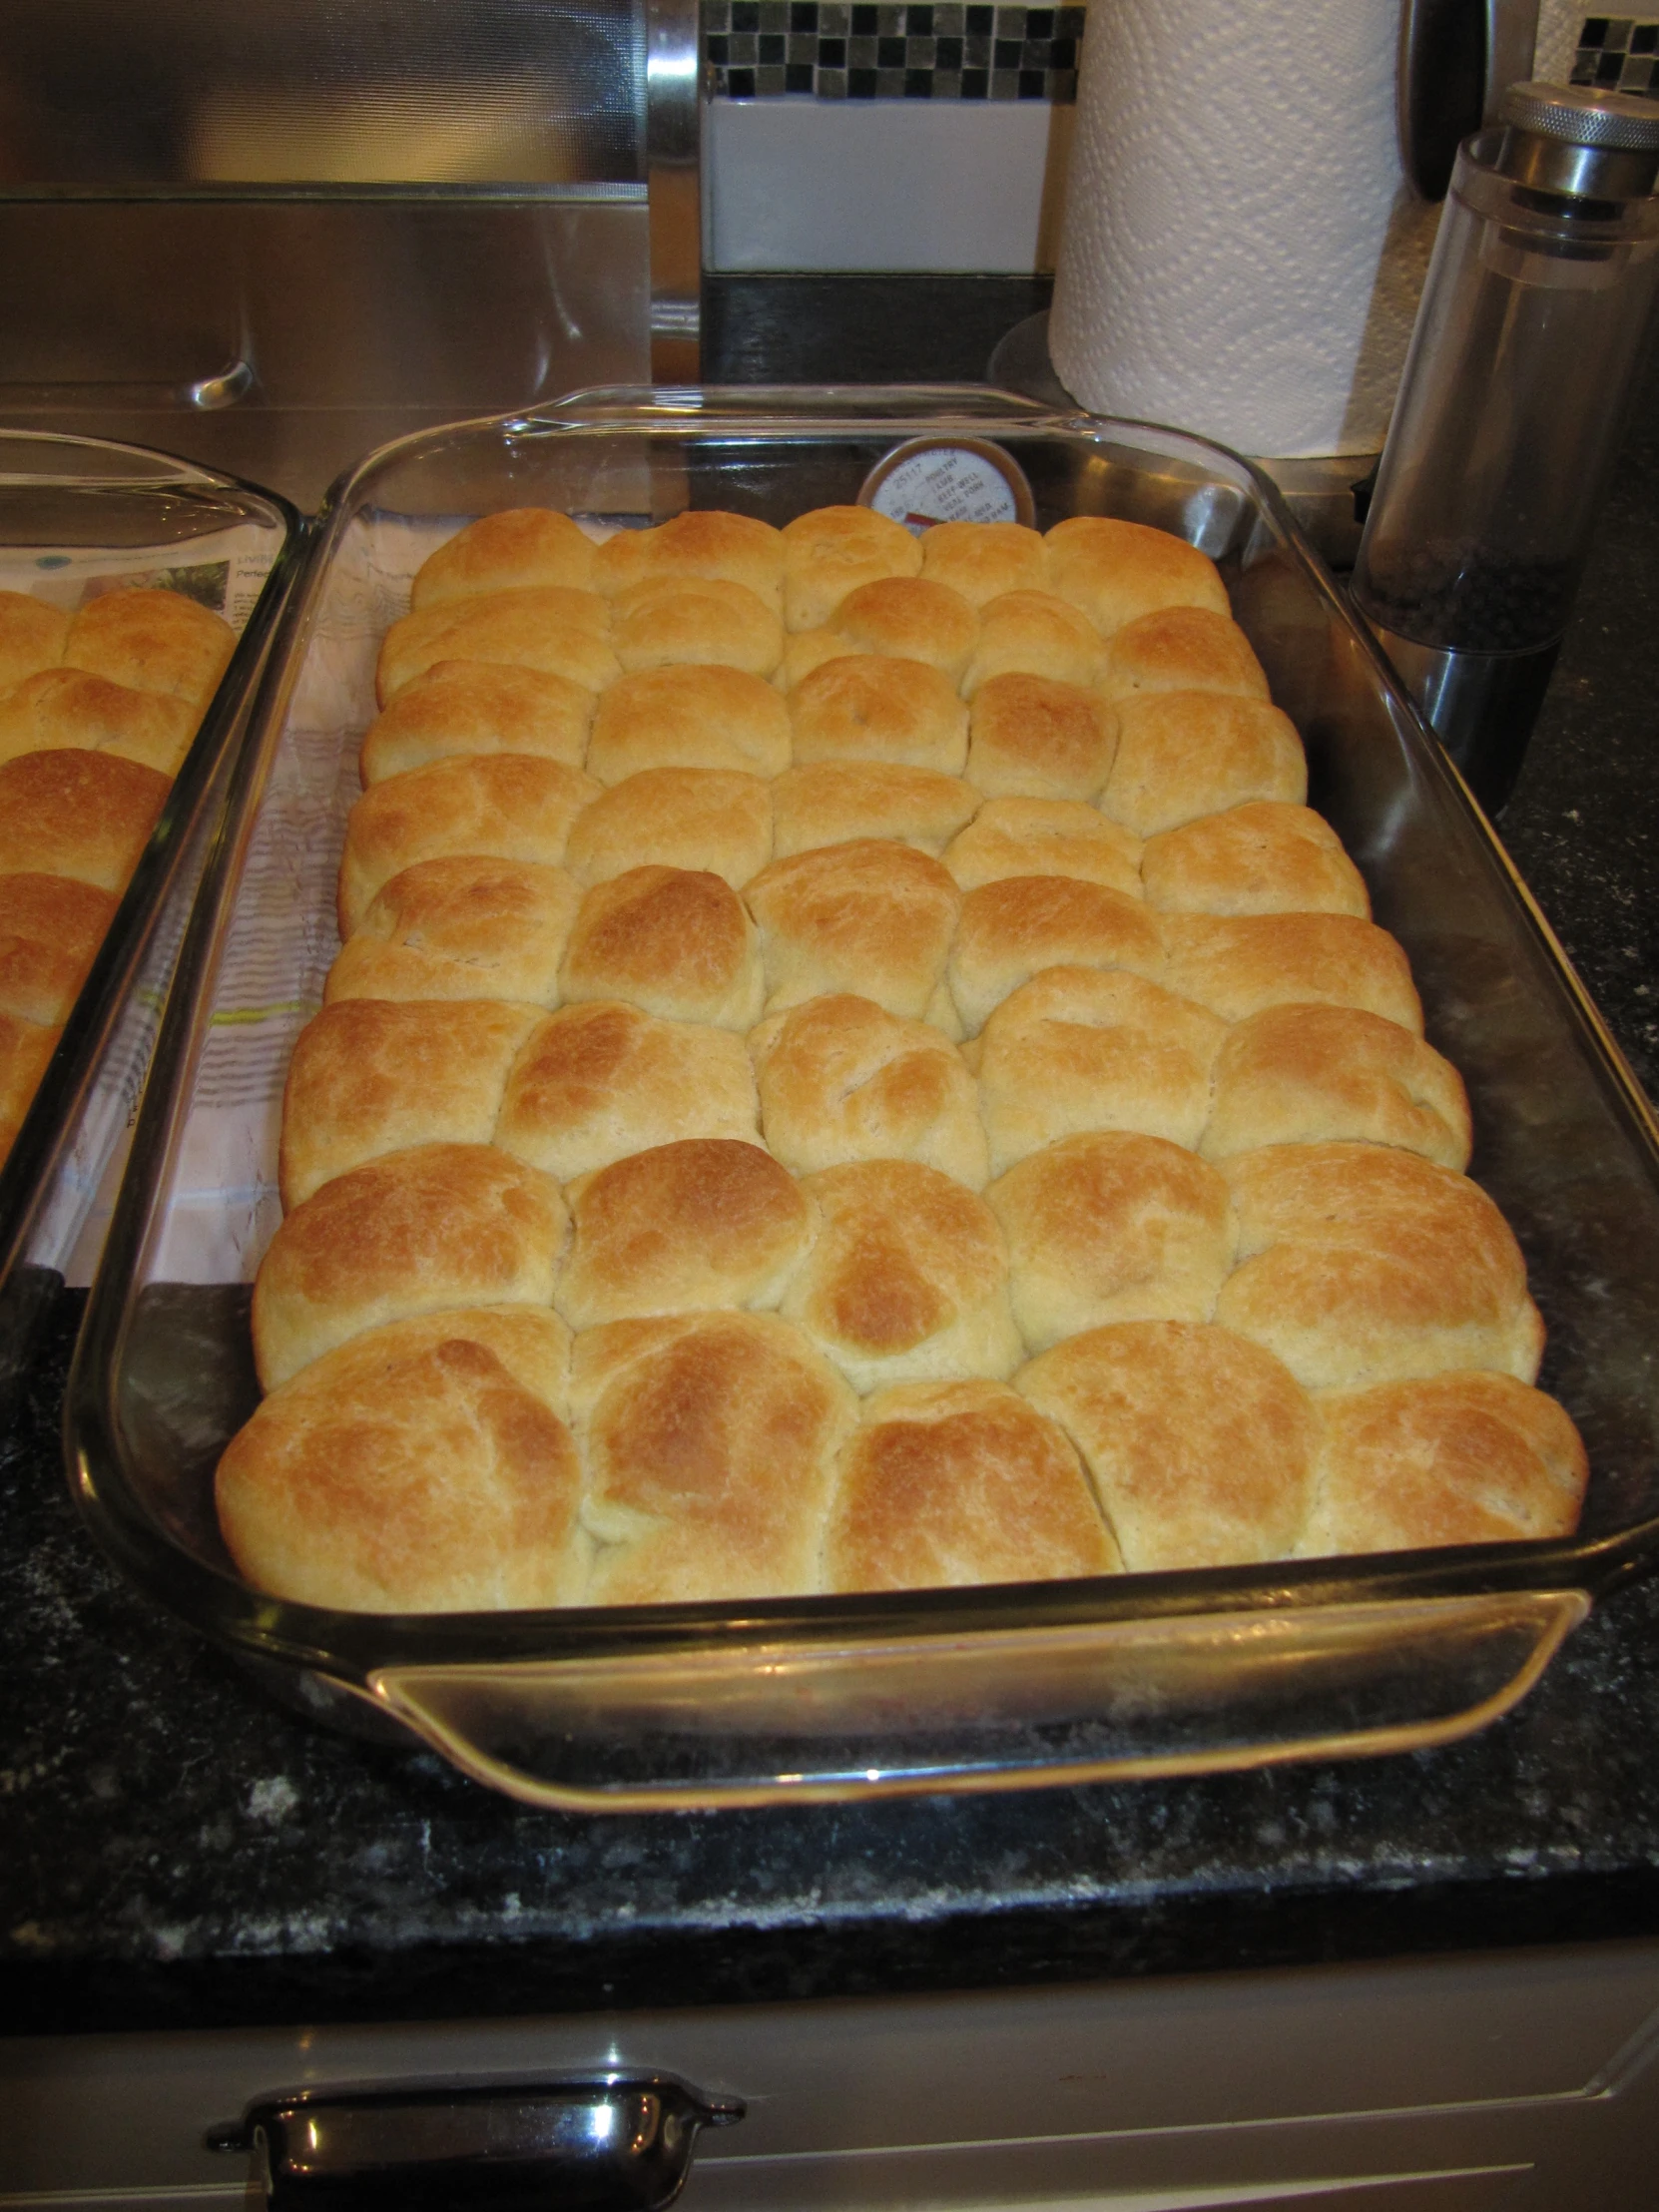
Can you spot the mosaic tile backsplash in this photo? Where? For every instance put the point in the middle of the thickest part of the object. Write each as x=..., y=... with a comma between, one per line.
x=1618, y=53
x=833, y=50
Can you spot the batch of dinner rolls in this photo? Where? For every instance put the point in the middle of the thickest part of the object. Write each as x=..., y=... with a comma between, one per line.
x=852, y=1067
x=96, y=710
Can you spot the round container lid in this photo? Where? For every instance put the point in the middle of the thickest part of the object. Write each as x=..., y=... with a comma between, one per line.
x=1578, y=114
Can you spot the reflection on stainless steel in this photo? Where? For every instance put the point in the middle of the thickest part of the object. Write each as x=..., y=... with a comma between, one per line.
x=283, y=337
x=674, y=142
x=180, y=91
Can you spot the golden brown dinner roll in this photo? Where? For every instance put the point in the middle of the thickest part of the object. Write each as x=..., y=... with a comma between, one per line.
x=869, y=915
x=1183, y=754
x=982, y=560
x=832, y=551
x=1044, y=836
x=370, y=1076
x=1011, y=930
x=1317, y=1074
x=1078, y=1049
x=949, y=1484
x=25, y=1048
x=713, y=818
x=546, y=626
x=490, y=805
x=1031, y=633
x=422, y=1468
x=83, y=815
x=1361, y=1264
x=1239, y=964
x=689, y=717
x=462, y=928
x=512, y=550
x=1200, y=1444
x=441, y=1224
x=1464, y=1458
x=833, y=802
x=908, y=1281
x=687, y=1227
x=908, y=617
x=1112, y=1227
x=32, y=637
x=595, y=1082
x=477, y=707
x=67, y=707
x=1264, y=858
x=702, y=542
x=669, y=621
x=710, y=1440
x=1118, y=571
x=1183, y=648
x=805, y=650
x=151, y=641
x=841, y=1079
x=675, y=942
x=1030, y=738
x=50, y=928
x=864, y=707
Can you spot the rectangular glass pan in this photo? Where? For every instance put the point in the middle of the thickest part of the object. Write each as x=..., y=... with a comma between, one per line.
x=984, y=1688
x=78, y=512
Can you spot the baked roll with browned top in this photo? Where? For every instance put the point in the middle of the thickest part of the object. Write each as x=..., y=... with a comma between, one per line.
x=1044, y=836
x=869, y=916
x=477, y=707
x=1241, y=964
x=862, y=707
x=954, y=1483
x=1324, y=1074
x=68, y=707
x=1461, y=1459
x=1185, y=753
x=674, y=621
x=440, y=1225
x=1112, y=1227
x=1200, y=1444
x=687, y=1227
x=672, y=941
x=1032, y=738
x=462, y=928
x=1031, y=633
x=1117, y=571
x=596, y=1081
x=151, y=641
x=1180, y=649
x=836, y=801
x=1264, y=858
x=703, y=819
x=704, y=543
x=86, y=815
x=907, y=1279
x=548, y=626
x=832, y=551
x=50, y=929
x=424, y=1468
x=1079, y=1050
x=982, y=560
x=709, y=1442
x=32, y=637
x=841, y=1079
x=1361, y=1264
x=688, y=716
x=1012, y=930
x=518, y=547
x=498, y=807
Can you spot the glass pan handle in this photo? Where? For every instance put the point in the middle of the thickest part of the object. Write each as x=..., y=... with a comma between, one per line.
x=753, y=1723
x=609, y=2145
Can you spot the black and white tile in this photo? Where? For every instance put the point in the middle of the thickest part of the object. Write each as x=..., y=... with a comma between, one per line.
x=1618, y=53
x=849, y=50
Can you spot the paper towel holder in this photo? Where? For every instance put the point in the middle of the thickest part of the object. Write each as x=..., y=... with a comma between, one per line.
x=1456, y=60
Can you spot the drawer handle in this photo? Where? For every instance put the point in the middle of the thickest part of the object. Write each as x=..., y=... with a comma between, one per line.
x=608, y=2145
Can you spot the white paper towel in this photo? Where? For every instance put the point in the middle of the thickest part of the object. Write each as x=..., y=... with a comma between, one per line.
x=1241, y=256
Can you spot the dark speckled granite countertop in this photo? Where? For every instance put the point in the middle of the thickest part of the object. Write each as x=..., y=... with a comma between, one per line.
x=174, y=1850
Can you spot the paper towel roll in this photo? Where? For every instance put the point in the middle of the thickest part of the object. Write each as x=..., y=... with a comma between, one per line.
x=1241, y=256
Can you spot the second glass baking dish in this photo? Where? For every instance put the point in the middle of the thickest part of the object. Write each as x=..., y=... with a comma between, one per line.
x=685, y=1706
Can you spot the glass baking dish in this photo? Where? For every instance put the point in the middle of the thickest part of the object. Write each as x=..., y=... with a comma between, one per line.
x=77, y=516
x=830, y=1698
